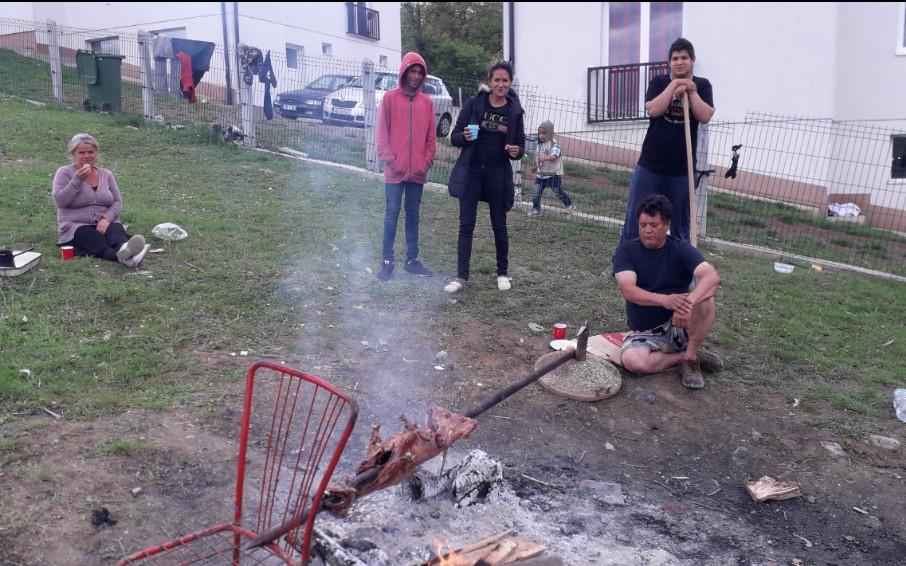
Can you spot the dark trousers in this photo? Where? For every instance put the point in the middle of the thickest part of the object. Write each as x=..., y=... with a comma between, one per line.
x=486, y=183
x=675, y=188
x=555, y=184
x=87, y=241
x=394, y=194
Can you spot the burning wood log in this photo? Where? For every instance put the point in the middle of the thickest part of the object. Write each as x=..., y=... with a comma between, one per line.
x=498, y=549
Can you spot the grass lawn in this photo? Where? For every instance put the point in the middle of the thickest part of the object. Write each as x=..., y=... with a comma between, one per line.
x=278, y=259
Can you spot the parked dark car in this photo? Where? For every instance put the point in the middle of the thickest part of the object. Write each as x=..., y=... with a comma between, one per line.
x=310, y=100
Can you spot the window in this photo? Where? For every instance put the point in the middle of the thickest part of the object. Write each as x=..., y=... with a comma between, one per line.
x=898, y=163
x=901, y=35
x=382, y=61
x=362, y=20
x=666, y=24
x=294, y=54
x=327, y=50
x=105, y=45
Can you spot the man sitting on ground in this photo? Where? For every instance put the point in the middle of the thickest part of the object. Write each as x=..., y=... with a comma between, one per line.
x=668, y=322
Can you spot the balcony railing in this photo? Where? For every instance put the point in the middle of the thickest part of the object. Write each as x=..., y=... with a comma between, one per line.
x=363, y=21
x=617, y=92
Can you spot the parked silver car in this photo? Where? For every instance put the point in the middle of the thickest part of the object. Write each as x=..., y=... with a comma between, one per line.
x=346, y=105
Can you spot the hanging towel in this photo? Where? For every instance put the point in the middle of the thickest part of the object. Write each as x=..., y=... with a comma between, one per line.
x=199, y=62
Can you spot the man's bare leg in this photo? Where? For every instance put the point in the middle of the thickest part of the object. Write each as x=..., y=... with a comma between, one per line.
x=700, y=324
x=643, y=361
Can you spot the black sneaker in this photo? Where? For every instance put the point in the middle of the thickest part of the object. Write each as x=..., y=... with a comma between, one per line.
x=415, y=267
x=386, y=271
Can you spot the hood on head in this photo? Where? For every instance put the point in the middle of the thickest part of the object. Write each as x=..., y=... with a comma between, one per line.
x=409, y=59
x=548, y=128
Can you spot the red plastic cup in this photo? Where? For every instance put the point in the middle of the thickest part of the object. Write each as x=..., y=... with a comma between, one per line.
x=559, y=331
x=67, y=253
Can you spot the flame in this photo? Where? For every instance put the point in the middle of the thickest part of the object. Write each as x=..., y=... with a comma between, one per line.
x=449, y=558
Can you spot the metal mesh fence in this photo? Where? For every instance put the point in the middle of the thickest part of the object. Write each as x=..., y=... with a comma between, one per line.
x=789, y=172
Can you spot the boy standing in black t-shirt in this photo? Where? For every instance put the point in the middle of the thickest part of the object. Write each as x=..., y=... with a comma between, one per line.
x=662, y=166
x=668, y=321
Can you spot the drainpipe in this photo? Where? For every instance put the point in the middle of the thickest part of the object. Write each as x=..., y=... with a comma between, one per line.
x=512, y=9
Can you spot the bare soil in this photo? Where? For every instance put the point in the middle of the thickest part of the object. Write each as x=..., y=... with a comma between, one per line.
x=680, y=456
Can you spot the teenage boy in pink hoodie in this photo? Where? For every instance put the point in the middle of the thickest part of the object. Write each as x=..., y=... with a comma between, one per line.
x=405, y=144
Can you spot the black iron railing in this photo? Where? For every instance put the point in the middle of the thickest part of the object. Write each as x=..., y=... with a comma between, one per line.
x=363, y=21
x=617, y=92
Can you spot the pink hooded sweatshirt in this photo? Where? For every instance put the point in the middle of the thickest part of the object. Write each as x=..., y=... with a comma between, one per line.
x=405, y=130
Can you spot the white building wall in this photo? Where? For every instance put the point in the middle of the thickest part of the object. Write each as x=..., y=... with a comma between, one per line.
x=17, y=11
x=775, y=58
x=871, y=90
x=266, y=25
x=871, y=83
x=556, y=43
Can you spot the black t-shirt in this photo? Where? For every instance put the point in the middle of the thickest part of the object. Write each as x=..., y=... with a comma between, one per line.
x=664, y=148
x=493, y=127
x=666, y=270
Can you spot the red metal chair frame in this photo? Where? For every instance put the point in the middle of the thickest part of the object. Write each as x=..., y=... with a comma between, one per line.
x=220, y=543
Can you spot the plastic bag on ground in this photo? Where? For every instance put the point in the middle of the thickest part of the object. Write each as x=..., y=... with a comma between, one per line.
x=169, y=231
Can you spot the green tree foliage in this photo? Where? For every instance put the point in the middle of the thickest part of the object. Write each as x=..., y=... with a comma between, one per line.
x=457, y=39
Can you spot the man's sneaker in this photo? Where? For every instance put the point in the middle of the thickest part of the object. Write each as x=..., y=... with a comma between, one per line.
x=571, y=208
x=691, y=372
x=503, y=283
x=456, y=285
x=535, y=212
x=415, y=267
x=136, y=260
x=130, y=248
x=386, y=271
x=709, y=361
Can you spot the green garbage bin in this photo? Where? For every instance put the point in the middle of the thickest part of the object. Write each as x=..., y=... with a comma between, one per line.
x=103, y=75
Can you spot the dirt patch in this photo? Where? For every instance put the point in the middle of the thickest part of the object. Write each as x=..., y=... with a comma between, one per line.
x=680, y=458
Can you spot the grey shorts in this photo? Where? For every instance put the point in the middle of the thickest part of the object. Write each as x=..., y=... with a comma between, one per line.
x=665, y=338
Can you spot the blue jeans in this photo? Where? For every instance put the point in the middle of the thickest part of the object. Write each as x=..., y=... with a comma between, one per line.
x=554, y=183
x=645, y=183
x=393, y=194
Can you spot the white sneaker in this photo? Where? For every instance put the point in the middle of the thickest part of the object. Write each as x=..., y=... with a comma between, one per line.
x=130, y=248
x=455, y=286
x=503, y=283
x=135, y=260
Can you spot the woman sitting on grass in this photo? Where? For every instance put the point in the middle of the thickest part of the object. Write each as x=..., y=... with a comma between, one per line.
x=88, y=205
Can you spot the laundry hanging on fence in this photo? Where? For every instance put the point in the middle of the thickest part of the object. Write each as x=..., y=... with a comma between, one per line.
x=195, y=57
x=163, y=47
x=250, y=59
x=266, y=75
x=734, y=162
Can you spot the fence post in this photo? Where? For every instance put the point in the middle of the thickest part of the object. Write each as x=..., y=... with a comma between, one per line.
x=144, y=47
x=701, y=191
x=370, y=114
x=56, y=67
x=247, y=102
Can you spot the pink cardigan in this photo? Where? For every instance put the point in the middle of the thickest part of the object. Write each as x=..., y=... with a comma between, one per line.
x=80, y=205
